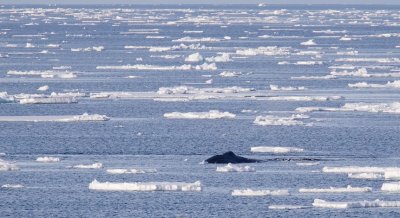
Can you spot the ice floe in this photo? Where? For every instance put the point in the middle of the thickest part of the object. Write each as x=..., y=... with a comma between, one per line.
x=195, y=57
x=12, y=186
x=309, y=42
x=7, y=166
x=145, y=186
x=48, y=100
x=47, y=159
x=391, y=187
x=251, y=192
x=270, y=120
x=394, y=84
x=130, y=171
x=212, y=114
x=234, y=168
x=43, y=88
x=268, y=51
x=358, y=169
x=204, y=66
x=348, y=189
x=5, y=98
x=354, y=204
x=229, y=74
x=366, y=175
x=277, y=150
x=286, y=207
x=224, y=57
x=88, y=166
x=286, y=88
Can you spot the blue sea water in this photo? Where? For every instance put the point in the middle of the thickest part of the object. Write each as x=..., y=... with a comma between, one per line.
x=139, y=136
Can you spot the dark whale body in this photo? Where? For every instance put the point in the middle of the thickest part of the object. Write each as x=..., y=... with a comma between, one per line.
x=230, y=157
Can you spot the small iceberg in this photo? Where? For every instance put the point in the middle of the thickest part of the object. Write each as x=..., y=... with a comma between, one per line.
x=145, y=186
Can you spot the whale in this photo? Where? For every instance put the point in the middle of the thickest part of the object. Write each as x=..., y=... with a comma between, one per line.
x=230, y=157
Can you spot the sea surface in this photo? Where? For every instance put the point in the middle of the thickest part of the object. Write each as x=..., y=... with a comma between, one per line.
x=334, y=101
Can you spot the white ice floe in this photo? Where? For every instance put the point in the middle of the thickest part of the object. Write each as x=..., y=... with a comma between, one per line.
x=191, y=39
x=285, y=88
x=307, y=163
x=5, y=98
x=268, y=51
x=308, y=63
x=271, y=120
x=391, y=187
x=44, y=74
x=366, y=175
x=43, y=88
x=250, y=192
x=12, y=186
x=393, y=107
x=212, y=114
x=309, y=42
x=47, y=159
x=276, y=150
x=358, y=169
x=48, y=100
x=205, y=66
x=354, y=204
x=7, y=166
x=303, y=98
x=394, y=84
x=145, y=186
x=130, y=171
x=85, y=117
x=88, y=166
x=192, y=90
x=224, y=57
x=286, y=207
x=348, y=189
x=88, y=49
x=195, y=57
x=229, y=74
x=326, y=77
x=235, y=168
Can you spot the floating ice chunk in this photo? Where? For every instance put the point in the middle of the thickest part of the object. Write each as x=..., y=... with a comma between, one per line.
x=278, y=150
x=224, y=57
x=192, y=90
x=362, y=72
x=303, y=98
x=354, y=204
x=394, y=84
x=326, y=77
x=145, y=186
x=250, y=192
x=268, y=51
x=7, y=166
x=309, y=42
x=85, y=117
x=286, y=207
x=234, y=168
x=88, y=166
x=44, y=74
x=391, y=187
x=145, y=67
x=47, y=159
x=12, y=186
x=366, y=175
x=308, y=63
x=286, y=88
x=48, y=100
x=190, y=39
x=43, y=88
x=131, y=171
x=393, y=107
x=357, y=169
x=5, y=98
x=348, y=189
x=196, y=57
x=88, y=49
x=307, y=164
x=210, y=81
x=212, y=114
x=229, y=74
x=29, y=45
x=206, y=66
x=53, y=46
x=270, y=120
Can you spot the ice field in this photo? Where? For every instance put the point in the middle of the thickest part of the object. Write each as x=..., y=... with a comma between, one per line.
x=110, y=111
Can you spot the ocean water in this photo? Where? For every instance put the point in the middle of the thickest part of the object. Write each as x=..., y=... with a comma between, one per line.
x=343, y=61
